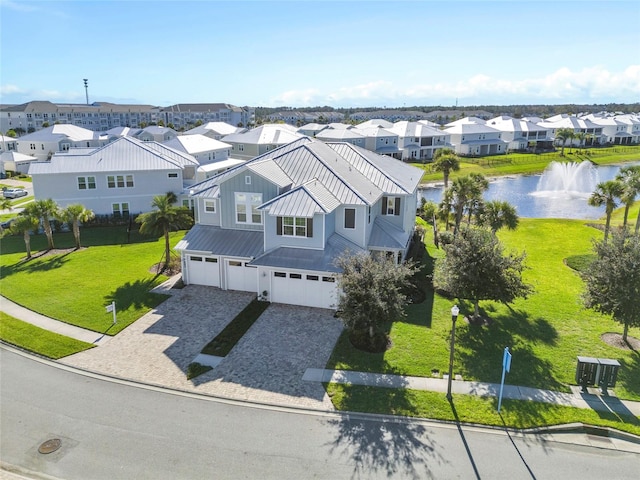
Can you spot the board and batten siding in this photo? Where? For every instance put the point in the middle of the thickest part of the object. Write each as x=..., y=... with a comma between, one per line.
x=238, y=184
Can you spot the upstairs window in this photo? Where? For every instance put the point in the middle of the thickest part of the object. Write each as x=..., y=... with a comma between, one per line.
x=247, y=208
x=390, y=206
x=86, y=183
x=350, y=218
x=294, y=226
x=210, y=206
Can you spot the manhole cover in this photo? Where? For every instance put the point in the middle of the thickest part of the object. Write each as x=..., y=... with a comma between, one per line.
x=50, y=445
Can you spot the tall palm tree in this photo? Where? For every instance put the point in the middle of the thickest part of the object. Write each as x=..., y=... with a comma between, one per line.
x=630, y=179
x=476, y=202
x=580, y=136
x=445, y=160
x=76, y=214
x=606, y=194
x=163, y=219
x=497, y=214
x=463, y=191
x=45, y=210
x=564, y=134
x=24, y=224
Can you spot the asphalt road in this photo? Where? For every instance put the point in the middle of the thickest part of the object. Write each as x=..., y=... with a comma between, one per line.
x=115, y=430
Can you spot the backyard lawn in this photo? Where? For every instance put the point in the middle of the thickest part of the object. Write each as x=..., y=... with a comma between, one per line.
x=544, y=332
x=74, y=286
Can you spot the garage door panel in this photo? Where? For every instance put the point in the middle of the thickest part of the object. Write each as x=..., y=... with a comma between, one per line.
x=203, y=270
x=241, y=276
x=303, y=289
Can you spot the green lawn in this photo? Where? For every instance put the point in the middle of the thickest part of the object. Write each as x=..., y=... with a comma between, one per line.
x=37, y=340
x=75, y=286
x=544, y=332
x=529, y=163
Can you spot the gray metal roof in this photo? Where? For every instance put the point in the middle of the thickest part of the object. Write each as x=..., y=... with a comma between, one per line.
x=294, y=203
x=386, y=235
x=215, y=240
x=307, y=259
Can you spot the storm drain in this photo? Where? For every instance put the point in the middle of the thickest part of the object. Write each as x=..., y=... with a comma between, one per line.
x=50, y=446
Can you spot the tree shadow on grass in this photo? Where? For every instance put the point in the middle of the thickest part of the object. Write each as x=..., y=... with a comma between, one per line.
x=481, y=349
x=629, y=372
x=35, y=264
x=382, y=446
x=136, y=294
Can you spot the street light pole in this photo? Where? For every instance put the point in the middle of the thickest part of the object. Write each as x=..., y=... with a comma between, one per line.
x=454, y=316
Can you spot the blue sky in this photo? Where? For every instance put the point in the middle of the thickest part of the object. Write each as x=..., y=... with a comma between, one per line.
x=306, y=53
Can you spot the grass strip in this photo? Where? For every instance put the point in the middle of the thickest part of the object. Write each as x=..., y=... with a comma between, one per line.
x=471, y=409
x=222, y=344
x=37, y=340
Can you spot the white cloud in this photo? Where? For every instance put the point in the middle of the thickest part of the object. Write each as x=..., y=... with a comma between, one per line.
x=589, y=85
x=10, y=89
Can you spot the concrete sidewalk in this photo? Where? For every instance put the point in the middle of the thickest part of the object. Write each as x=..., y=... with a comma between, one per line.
x=574, y=399
x=29, y=316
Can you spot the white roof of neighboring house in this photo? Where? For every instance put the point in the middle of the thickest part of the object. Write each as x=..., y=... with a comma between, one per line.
x=221, y=128
x=568, y=121
x=124, y=154
x=375, y=122
x=272, y=134
x=375, y=131
x=469, y=128
x=156, y=130
x=16, y=157
x=465, y=120
x=221, y=165
x=123, y=132
x=339, y=134
x=58, y=132
x=194, y=144
x=407, y=129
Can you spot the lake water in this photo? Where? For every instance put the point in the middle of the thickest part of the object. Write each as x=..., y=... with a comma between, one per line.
x=521, y=192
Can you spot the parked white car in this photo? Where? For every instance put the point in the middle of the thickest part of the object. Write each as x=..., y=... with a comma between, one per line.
x=14, y=193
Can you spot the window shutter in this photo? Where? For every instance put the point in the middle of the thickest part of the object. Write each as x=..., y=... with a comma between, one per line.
x=278, y=225
x=384, y=205
x=309, y=227
x=396, y=209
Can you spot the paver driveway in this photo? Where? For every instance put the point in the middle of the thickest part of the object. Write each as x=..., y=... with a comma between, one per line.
x=266, y=366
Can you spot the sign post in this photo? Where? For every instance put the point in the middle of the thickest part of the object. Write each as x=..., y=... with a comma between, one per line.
x=112, y=308
x=506, y=366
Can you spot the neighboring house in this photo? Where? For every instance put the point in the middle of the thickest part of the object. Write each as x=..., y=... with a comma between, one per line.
x=592, y=131
x=379, y=139
x=156, y=134
x=120, y=178
x=522, y=135
x=212, y=155
x=275, y=225
x=58, y=138
x=8, y=144
x=215, y=130
x=16, y=162
x=338, y=132
x=475, y=139
x=117, y=132
x=614, y=131
x=260, y=140
x=418, y=140
x=312, y=129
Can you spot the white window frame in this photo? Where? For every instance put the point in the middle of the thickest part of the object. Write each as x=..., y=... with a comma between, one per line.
x=87, y=183
x=294, y=227
x=250, y=203
x=390, y=209
x=210, y=206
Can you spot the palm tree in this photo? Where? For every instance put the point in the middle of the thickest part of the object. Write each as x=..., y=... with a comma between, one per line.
x=76, y=214
x=445, y=160
x=463, y=192
x=45, y=210
x=581, y=137
x=606, y=194
x=476, y=202
x=497, y=214
x=630, y=179
x=24, y=224
x=163, y=219
x=564, y=134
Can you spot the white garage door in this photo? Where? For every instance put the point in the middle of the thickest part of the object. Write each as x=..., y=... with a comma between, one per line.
x=240, y=276
x=304, y=289
x=203, y=270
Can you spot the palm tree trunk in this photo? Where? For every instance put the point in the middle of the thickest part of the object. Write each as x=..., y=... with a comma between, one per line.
x=27, y=243
x=476, y=308
x=626, y=330
x=167, y=249
x=48, y=232
x=76, y=233
x=638, y=223
x=626, y=213
x=606, y=227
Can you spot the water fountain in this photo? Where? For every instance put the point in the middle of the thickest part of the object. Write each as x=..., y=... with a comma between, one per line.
x=567, y=179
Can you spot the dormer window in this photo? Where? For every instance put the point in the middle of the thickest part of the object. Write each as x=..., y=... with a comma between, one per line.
x=391, y=206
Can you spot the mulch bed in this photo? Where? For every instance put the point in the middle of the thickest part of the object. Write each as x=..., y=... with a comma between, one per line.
x=615, y=340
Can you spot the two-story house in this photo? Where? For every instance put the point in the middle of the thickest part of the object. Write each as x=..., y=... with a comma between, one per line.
x=58, y=138
x=276, y=224
x=120, y=178
x=418, y=140
x=476, y=139
x=259, y=140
